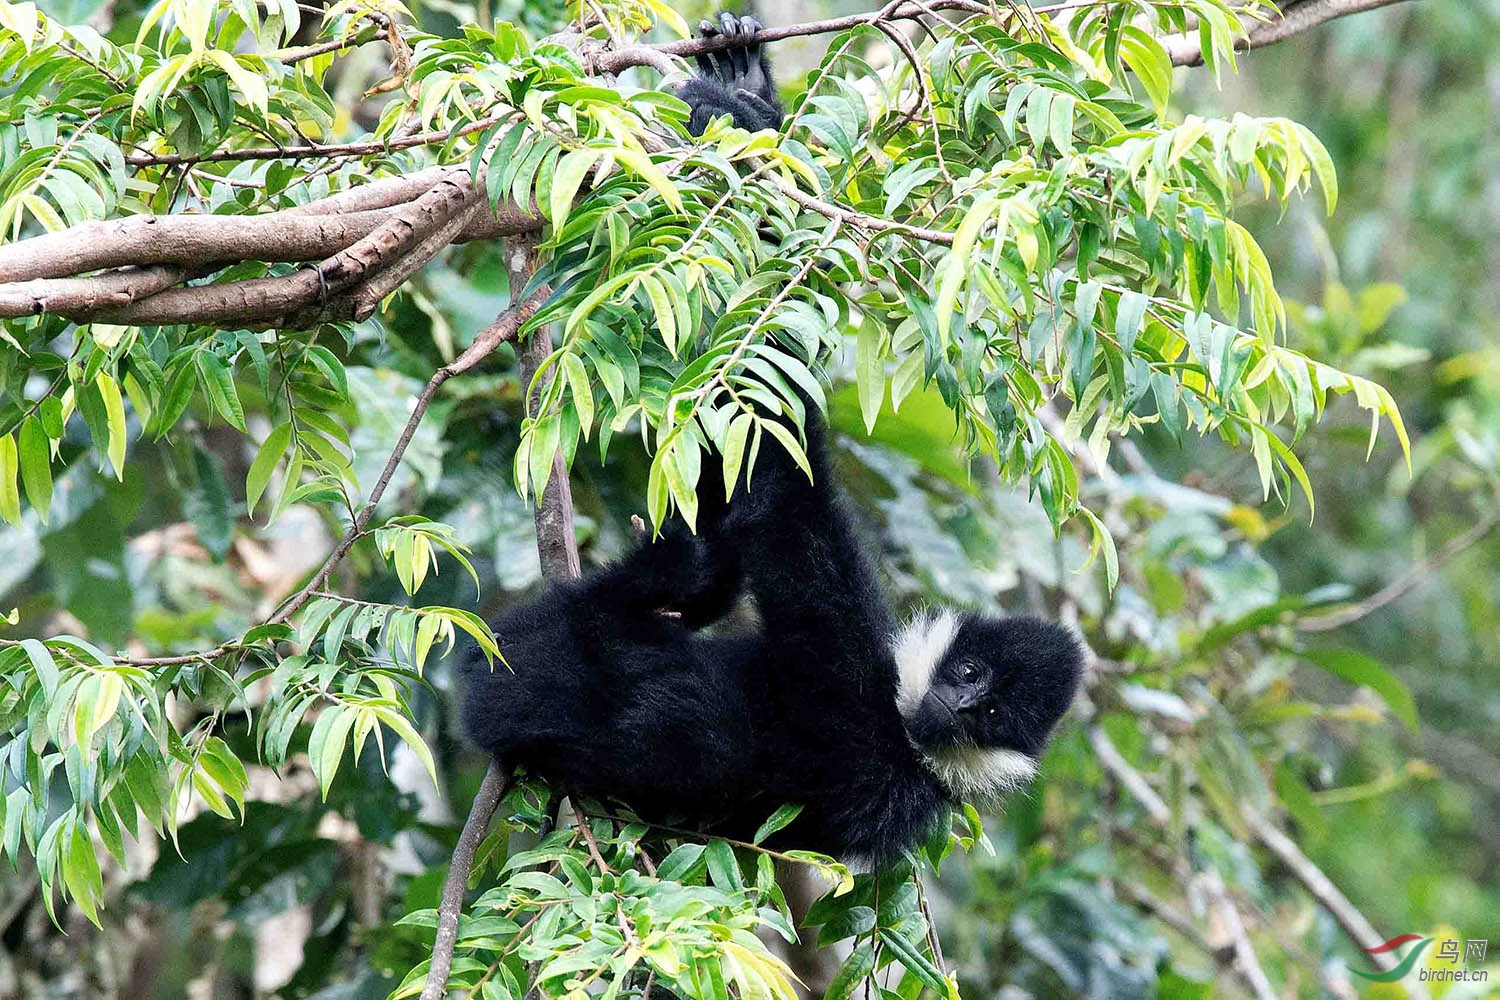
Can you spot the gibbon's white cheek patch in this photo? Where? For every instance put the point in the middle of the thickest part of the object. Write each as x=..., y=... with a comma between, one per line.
x=977, y=773
x=918, y=649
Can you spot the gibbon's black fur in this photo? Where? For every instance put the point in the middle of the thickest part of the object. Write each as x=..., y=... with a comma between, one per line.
x=876, y=730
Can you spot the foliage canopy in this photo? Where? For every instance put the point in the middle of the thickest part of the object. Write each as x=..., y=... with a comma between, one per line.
x=999, y=214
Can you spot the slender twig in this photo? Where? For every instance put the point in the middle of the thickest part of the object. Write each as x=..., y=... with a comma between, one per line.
x=1233, y=924
x=371, y=147
x=858, y=219
x=932, y=934
x=581, y=818
x=554, y=533
x=503, y=329
x=1318, y=885
x=1132, y=780
x=1413, y=578
x=349, y=39
x=1296, y=18
x=491, y=790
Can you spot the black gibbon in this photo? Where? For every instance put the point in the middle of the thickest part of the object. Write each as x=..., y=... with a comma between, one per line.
x=613, y=689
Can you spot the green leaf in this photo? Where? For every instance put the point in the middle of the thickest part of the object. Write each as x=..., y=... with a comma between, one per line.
x=661, y=307
x=1130, y=313
x=790, y=443
x=266, y=460
x=114, y=409
x=81, y=872
x=854, y=970
x=582, y=392
x=870, y=374
x=36, y=466
x=1293, y=465
x=43, y=664
x=325, y=748
x=917, y=963
x=221, y=392
x=1322, y=166
x=779, y=819
x=734, y=451
x=408, y=734
x=723, y=867
x=569, y=174
x=676, y=865
x=1105, y=541
x=1359, y=669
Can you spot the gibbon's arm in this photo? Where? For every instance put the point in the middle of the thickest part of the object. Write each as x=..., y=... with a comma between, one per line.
x=814, y=589
x=734, y=81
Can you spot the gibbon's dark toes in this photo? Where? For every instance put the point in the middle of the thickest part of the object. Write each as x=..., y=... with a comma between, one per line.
x=750, y=26
x=707, y=29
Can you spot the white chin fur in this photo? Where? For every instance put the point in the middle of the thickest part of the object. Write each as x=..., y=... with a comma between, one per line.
x=918, y=649
x=976, y=773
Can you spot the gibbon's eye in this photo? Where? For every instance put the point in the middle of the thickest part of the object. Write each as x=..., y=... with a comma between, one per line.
x=967, y=671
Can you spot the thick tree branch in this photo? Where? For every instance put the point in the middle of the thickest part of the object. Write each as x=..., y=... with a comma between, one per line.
x=83, y=296
x=267, y=301
x=387, y=246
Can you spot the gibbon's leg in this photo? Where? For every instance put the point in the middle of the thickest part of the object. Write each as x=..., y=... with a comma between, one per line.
x=592, y=665
x=694, y=577
x=817, y=594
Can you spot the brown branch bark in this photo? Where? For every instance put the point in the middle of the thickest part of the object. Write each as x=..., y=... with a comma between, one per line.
x=269, y=301
x=491, y=791
x=1319, y=886
x=82, y=296
x=558, y=549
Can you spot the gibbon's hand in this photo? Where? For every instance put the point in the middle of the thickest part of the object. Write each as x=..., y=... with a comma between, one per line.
x=734, y=81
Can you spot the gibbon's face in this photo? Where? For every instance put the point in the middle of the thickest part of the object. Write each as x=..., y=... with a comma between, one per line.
x=980, y=695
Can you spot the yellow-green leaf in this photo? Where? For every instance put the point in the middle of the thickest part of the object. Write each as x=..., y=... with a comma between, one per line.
x=566, y=179
x=114, y=408
x=10, y=496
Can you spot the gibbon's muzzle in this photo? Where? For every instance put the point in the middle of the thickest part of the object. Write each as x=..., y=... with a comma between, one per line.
x=935, y=725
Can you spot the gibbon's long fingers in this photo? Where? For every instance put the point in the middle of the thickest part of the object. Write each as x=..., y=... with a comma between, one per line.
x=706, y=29
x=723, y=62
x=733, y=26
x=750, y=28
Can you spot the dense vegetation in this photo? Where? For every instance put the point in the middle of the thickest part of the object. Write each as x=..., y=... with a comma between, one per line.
x=250, y=502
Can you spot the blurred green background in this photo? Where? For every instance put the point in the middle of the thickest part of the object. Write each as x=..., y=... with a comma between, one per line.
x=1402, y=285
